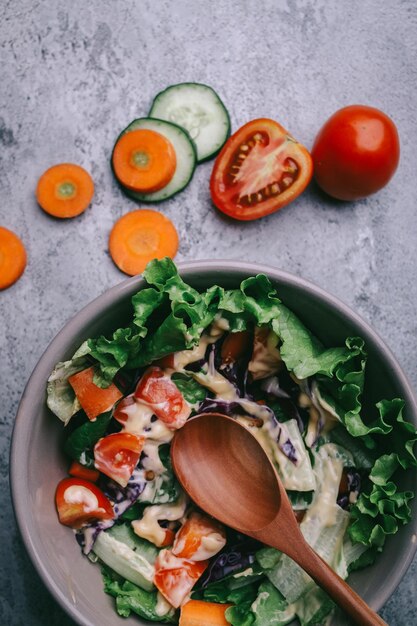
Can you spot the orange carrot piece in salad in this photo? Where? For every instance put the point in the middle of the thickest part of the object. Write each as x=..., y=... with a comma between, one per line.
x=200, y=613
x=94, y=400
x=140, y=236
x=65, y=190
x=12, y=258
x=144, y=160
x=80, y=471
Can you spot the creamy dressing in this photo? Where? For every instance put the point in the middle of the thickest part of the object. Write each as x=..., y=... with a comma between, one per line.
x=139, y=422
x=185, y=357
x=218, y=384
x=150, y=458
x=77, y=494
x=329, y=468
x=148, y=526
x=210, y=545
x=266, y=359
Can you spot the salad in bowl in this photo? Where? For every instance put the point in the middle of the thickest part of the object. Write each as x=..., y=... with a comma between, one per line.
x=240, y=352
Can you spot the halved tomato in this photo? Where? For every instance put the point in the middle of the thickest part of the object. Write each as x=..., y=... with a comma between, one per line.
x=79, y=502
x=163, y=396
x=175, y=577
x=199, y=538
x=117, y=455
x=260, y=169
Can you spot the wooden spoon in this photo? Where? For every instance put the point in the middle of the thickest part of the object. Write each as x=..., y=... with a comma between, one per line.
x=227, y=473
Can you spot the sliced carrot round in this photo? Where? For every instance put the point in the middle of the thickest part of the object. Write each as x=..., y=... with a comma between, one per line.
x=140, y=236
x=12, y=258
x=144, y=160
x=65, y=190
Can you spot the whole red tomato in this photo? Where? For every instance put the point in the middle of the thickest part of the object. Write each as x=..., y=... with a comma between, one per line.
x=356, y=152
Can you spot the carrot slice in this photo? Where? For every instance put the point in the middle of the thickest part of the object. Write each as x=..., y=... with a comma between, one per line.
x=80, y=471
x=140, y=236
x=12, y=258
x=94, y=400
x=144, y=160
x=200, y=613
x=65, y=190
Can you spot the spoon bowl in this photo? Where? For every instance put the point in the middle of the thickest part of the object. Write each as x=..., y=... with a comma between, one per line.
x=222, y=455
x=227, y=473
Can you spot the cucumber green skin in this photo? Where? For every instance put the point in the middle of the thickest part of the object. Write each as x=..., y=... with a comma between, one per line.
x=139, y=197
x=229, y=130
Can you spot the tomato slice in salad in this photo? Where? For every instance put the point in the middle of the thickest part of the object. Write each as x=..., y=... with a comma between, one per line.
x=94, y=400
x=80, y=471
x=175, y=577
x=117, y=455
x=260, y=169
x=199, y=538
x=79, y=502
x=235, y=345
x=167, y=402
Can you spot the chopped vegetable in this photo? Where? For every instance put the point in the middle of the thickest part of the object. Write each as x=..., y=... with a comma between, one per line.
x=199, y=538
x=185, y=158
x=81, y=471
x=163, y=395
x=198, y=109
x=117, y=455
x=12, y=258
x=260, y=169
x=199, y=613
x=140, y=236
x=79, y=501
x=175, y=577
x=144, y=160
x=65, y=190
x=93, y=399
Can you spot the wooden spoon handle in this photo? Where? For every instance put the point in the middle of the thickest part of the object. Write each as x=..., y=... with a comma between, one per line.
x=336, y=587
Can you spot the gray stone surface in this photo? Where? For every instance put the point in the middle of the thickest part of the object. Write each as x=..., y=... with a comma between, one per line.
x=73, y=74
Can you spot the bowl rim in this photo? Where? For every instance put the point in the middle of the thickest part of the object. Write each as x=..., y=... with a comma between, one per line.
x=117, y=293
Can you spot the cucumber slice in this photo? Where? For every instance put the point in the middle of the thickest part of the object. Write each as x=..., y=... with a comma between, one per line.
x=127, y=555
x=185, y=152
x=199, y=110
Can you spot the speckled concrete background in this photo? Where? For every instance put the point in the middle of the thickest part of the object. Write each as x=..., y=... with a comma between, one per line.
x=73, y=74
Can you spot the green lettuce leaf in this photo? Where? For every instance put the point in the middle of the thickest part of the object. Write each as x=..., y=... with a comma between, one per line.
x=192, y=391
x=270, y=607
x=81, y=441
x=381, y=508
x=61, y=398
x=131, y=598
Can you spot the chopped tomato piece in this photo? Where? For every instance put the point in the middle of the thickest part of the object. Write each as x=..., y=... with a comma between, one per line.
x=79, y=502
x=163, y=396
x=94, y=400
x=235, y=345
x=80, y=471
x=167, y=362
x=117, y=455
x=199, y=538
x=176, y=577
x=121, y=412
x=260, y=169
x=169, y=538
